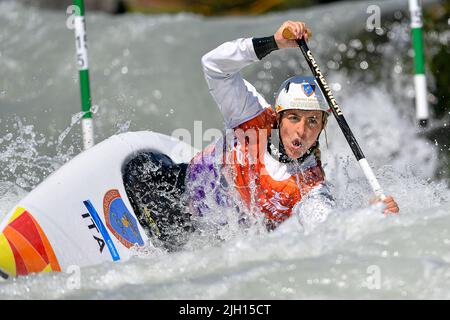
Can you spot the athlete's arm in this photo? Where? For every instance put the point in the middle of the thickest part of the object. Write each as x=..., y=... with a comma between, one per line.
x=237, y=99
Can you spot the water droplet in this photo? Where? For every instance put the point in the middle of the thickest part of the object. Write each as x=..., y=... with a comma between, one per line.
x=115, y=62
x=157, y=94
x=336, y=86
x=123, y=127
x=125, y=70
x=94, y=109
x=342, y=47
x=356, y=43
x=398, y=15
x=28, y=129
x=351, y=53
x=21, y=182
x=379, y=31
x=370, y=47
x=337, y=57
x=332, y=64
x=364, y=65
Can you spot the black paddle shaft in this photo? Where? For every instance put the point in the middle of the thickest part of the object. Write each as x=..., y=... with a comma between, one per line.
x=320, y=79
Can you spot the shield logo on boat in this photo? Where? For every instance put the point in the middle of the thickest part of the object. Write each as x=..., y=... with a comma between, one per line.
x=120, y=221
x=308, y=89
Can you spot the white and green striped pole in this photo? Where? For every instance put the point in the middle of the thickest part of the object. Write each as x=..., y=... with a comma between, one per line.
x=420, y=81
x=87, y=125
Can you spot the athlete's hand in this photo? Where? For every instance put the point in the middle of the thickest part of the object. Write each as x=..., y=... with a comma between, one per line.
x=391, y=205
x=297, y=28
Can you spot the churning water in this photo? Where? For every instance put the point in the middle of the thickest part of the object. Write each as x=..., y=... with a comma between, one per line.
x=146, y=74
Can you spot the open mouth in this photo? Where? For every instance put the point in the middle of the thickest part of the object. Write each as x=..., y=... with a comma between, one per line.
x=296, y=144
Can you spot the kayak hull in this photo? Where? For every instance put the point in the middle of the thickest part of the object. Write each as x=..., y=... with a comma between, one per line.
x=80, y=215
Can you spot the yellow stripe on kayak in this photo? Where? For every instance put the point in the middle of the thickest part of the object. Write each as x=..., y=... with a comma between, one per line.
x=7, y=261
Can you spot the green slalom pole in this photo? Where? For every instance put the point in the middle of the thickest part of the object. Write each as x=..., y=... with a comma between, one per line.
x=87, y=124
x=420, y=81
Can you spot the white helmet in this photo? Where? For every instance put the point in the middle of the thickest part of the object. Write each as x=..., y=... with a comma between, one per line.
x=300, y=92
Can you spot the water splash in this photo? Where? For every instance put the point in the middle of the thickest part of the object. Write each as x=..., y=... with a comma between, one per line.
x=410, y=250
x=20, y=158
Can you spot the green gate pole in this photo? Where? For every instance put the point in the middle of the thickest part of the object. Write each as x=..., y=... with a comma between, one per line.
x=87, y=124
x=420, y=81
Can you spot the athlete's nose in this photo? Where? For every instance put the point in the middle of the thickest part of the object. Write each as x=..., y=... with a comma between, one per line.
x=301, y=128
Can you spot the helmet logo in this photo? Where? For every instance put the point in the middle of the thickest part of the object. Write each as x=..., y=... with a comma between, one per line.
x=308, y=88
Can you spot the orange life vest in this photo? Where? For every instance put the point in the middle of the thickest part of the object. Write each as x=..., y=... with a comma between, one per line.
x=245, y=170
x=253, y=182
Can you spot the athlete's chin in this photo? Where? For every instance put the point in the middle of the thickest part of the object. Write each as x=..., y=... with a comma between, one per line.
x=294, y=153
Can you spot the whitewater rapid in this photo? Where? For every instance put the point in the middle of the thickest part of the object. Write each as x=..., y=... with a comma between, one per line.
x=146, y=75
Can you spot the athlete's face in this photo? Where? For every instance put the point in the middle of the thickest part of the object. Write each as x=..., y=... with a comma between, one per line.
x=299, y=130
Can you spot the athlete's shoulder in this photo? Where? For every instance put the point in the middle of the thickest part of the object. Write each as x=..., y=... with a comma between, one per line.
x=266, y=119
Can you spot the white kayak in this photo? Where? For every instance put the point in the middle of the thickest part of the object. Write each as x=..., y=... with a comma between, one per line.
x=80, y=215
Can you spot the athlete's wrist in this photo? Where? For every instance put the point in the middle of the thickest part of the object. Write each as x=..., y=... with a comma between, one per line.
x=264, y=46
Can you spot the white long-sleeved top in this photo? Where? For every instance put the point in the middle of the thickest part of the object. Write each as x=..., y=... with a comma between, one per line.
x=239, y=102
x=236, y=98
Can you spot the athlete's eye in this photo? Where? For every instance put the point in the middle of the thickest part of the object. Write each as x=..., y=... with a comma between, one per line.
x=312, y=121
x=293, y=118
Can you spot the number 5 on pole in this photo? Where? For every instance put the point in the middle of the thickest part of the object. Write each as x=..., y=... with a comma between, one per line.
x=83, y=68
